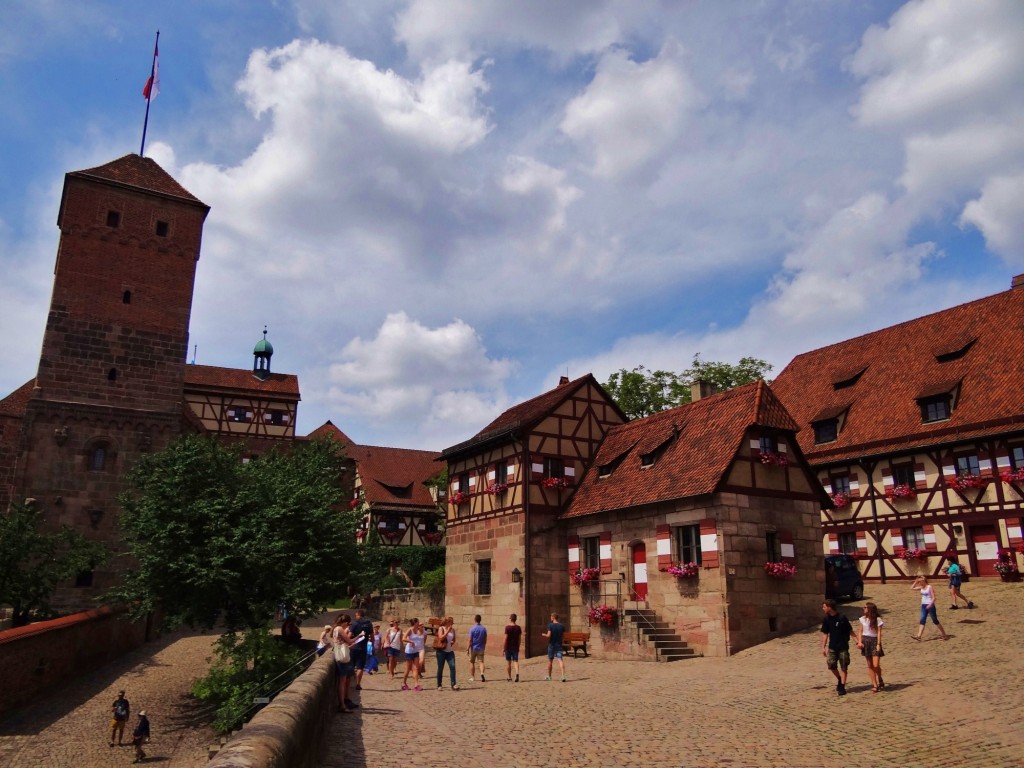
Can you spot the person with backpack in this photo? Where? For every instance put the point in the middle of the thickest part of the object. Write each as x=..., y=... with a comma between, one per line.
x=956, y=578
x=120, y=712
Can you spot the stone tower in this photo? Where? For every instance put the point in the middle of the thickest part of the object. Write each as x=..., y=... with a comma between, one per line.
x=110, y=378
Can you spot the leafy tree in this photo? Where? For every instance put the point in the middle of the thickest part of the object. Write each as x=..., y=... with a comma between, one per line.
x=215, y=538
x=33, y=563
x=641, y=392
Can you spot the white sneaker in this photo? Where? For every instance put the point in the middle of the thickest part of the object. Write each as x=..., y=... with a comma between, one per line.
x=472, y=680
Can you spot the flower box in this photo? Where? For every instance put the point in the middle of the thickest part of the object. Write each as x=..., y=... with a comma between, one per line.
x=683, y=570
x=391, y=535
x=585, y=576
x=780, y=570
x=1013, y=476
x=841, y=500
x=774, y=458
x=555, y=482
x=495, y=488
x=459, y=497
x=602, y=614
x=900, y=492
x=432, y=538
x=1006, y=565
x=911, y=555
x=965, y=482
x=353, y=504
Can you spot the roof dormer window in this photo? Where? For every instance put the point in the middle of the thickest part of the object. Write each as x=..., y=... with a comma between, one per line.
x=935, y=407
x=826, y=431
x=848, y=377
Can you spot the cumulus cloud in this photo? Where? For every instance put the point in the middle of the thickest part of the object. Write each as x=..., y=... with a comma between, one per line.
x=999, y=214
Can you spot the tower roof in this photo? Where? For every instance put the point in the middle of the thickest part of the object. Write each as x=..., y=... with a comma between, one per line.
x=140, y=173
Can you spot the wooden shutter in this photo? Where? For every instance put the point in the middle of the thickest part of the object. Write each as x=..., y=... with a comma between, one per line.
x=569, y=472
x=536, y=468
x=664, y=533
x=1002, y=460
x=862, y=543
x=833, y=544
x=573, y=542
x=1013, y=531
x=896, y=536
x=854, y=485
x=920, y=478
x=929, y=538
x=984, y=462
x=606, y=551
x=787, y=547
x=709, y=542
x=826, y=483
x=887, y=478
x=949, y=469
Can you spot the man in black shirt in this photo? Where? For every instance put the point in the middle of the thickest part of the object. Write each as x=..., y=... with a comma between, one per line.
x=835, y=643
x=359, y=650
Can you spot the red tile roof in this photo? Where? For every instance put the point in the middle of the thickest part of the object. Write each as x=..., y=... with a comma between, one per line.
x=14, y=404
x=241, y=380
x=701, y=440
x=142, y=173
x=328, y=429
x=524, y=415
x=395, y=476
x=900, y=365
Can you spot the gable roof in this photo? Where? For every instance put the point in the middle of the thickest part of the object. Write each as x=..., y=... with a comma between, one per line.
x=982, y=343
x=328, y=429
x=14, y=404
x=698, y=443
x=520, y=418
x=241, y=381
x=140, y=173
x=394, y=477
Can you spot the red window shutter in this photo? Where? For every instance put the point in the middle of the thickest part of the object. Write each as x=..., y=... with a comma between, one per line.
x=1013, y=531
x=606, y=551
x=929, y=538
x=709, y=542
x=854, y=485
x=833, y=544
x=862, y=543
x=664, y=533
x=573, y=542
x=887, y=478
x=787, y=546
x=920, y=479
x=896, y=536
x=569, y=472
x=536, y=468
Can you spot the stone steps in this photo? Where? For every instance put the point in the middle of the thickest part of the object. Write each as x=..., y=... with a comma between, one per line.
x=668, y=646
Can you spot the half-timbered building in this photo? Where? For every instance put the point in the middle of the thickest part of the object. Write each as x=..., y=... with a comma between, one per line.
x=917, y=432
x=508, y=484
x=698, y=527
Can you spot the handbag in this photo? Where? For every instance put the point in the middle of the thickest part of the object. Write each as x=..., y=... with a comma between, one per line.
x=440, y=641
x=342, y=652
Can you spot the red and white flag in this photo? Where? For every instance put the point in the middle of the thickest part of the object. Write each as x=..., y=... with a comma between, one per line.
x=153, y=84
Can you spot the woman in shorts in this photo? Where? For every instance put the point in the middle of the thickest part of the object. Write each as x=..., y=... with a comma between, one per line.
x=393, y=647
x=869, y=640
x=956, y=578
x=414, y=641
x=345, y=669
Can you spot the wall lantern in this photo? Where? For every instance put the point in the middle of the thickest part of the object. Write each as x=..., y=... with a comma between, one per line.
x=517, y=576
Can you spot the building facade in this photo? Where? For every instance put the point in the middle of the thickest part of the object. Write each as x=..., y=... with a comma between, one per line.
x=917, y=433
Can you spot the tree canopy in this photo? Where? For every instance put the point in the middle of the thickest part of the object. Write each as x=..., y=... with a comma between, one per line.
x=213, y=537
x=33, y=563
x=641, y=392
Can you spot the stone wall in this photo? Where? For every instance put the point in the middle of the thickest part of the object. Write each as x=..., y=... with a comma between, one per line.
x=404, y=604
x=45, y=655
x=291, y=730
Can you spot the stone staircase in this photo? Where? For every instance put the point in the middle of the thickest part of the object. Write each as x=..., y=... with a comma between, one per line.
x=668, y=646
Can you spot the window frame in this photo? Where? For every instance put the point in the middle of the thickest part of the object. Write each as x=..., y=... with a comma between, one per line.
x=846, y=538
x=903, y=474
x=773, y=545
x=590, y=551
x=686, y=541
x=484, y=582
x=553, y=464
x=913, y=537
x=929, y=407
x=967, y=464
x=821, y=438
x=840, y=484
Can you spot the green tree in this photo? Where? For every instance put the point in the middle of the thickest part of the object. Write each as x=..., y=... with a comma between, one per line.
x=33, y=563
x=641, y=392
x=215, y=538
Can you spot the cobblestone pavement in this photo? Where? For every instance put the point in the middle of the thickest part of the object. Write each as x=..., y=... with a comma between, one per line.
x=954, y=703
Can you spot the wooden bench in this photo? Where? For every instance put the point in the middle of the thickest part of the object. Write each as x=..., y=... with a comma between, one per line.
x=432, y=625
x=575, y=642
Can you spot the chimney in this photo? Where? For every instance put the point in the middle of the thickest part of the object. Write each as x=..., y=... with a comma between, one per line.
x=563, y=381
x=700, y=389
x=1017, y=282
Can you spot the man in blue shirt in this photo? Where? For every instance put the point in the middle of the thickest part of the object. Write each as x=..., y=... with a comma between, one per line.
x=477, y=644
x=555, y=633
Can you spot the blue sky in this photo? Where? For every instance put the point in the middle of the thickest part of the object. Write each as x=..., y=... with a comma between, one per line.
x=440, y=207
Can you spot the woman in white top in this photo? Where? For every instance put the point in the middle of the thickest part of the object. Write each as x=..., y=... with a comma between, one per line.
x=927, y=607
x=415, y=641
x=393, y=647
x=869, y=640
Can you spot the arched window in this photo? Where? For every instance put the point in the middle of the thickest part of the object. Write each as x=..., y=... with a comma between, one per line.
x=98, y=457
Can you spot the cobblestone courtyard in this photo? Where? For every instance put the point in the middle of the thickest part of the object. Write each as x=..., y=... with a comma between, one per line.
x=954, y=703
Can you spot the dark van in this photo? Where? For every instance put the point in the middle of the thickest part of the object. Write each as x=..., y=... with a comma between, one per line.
x=842, y=577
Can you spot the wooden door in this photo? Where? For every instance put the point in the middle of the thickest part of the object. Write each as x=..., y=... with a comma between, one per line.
x=640, y=571
x=985, y=540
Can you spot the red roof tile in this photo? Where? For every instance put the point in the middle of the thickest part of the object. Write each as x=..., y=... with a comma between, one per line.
x=14, y=404
x=395, y=476
x=707, y=435
x=328, y=429
x=142, y=173
x=241, y=380
x=901, y=365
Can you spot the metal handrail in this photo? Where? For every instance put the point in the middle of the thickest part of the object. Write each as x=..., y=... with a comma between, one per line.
x=638, y=619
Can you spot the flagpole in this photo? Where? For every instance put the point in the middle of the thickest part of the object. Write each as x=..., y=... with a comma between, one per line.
x=149, y=93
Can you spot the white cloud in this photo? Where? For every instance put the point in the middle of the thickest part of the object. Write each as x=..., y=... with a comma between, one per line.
x=999, y=214
x=631, y=112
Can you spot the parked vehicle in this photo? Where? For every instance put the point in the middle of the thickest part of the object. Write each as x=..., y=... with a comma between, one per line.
x=842, y=577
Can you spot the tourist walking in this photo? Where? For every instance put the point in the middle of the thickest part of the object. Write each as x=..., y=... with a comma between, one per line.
x=140, y=736
x=554, y=635
x=120, y=711
x=361, y=627
x=835, y=643
x=927, y=607
x=343, y=666
x=444, y=650
x=325, y=640
x=414, y=643
x=956, y=578
x=477, y=646
x=513, y=639
x=372, y=649
x=393, y=647
x=869, y=640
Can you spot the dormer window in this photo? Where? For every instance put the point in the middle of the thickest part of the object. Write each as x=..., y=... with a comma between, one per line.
x=954, y=351
x=848, y=378
x=935, y=407
x=768, y=444
x=826, y=431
